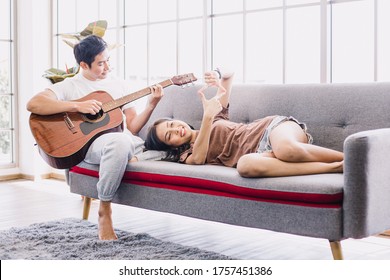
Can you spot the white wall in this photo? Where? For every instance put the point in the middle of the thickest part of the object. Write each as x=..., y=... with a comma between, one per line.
x=33, y=58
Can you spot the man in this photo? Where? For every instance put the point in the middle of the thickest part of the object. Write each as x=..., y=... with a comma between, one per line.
x=111, y=150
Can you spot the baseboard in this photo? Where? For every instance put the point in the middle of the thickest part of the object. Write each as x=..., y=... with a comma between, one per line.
x=385, y=234
x=27, y=177
x=10, y=177
x=57, y=176
x=31, y=177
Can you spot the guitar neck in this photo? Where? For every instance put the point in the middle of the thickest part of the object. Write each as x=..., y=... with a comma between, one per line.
x=108, y=106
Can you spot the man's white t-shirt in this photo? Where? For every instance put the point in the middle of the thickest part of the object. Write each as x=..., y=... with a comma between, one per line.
x=78, y=86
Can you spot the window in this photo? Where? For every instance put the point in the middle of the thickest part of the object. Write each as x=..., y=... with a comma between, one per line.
x=302, y=45
x=267, y=41
x=264, y=47
x=353, y=41
x=7, y=94
x=150, y=38
x=228, y=46
x=383, y=57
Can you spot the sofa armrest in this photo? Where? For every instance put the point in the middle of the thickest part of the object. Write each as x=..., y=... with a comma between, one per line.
x=366, y=206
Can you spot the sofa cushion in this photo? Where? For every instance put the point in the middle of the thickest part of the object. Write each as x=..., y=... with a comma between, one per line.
x=322, y=190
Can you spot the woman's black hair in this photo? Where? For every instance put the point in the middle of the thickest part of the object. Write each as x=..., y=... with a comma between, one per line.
x=88, y=48
x=153, y=143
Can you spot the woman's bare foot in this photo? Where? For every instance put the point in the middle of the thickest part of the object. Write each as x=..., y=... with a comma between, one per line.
x=338, y=167
x=106, y=229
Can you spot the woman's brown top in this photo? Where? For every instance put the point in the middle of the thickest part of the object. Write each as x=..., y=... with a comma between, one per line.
x=229, y=140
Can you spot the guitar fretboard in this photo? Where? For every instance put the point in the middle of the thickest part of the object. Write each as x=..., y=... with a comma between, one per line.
x=111, y=105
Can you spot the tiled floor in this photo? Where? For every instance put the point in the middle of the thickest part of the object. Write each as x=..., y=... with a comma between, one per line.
x=25, y=202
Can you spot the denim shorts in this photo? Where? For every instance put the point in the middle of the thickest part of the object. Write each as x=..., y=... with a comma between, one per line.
x=265, y=145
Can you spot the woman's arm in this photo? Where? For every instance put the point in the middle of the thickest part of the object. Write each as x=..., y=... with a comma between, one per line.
x=211, y=108
x=226, y=83
x=200, y=148
x=223, y=80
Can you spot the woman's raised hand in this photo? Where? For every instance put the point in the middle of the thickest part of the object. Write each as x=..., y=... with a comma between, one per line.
x=211, y=78
x=211, y=106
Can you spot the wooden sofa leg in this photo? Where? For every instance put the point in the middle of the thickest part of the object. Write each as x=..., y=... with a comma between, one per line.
x=336, y=250
x=87, y=206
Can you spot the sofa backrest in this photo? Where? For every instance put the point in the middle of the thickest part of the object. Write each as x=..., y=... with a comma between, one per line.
x=331, y=111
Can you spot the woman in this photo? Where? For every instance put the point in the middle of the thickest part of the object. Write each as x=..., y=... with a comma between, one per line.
x=271, y=146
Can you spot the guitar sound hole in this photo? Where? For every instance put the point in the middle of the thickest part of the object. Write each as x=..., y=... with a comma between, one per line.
x=94, y=117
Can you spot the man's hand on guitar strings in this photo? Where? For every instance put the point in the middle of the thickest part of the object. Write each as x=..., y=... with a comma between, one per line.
x=89, y=106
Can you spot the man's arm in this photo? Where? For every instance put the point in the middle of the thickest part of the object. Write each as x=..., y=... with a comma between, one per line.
x=47, y=103
x=135, y=122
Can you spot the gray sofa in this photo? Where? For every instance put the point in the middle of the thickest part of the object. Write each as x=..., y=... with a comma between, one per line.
x=349, y=117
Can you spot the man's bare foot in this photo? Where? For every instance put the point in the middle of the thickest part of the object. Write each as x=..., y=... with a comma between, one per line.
x=106, y=229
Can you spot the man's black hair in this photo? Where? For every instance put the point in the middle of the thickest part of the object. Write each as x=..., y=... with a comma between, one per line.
x=88, y=48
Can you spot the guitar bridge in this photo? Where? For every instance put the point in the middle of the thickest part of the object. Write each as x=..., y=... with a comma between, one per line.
x=69, y=123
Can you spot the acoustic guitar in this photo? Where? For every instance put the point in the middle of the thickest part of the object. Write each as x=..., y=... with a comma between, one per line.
x=63, y=139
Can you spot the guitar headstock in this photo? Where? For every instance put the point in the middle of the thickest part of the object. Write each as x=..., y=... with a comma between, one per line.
x=180, y=80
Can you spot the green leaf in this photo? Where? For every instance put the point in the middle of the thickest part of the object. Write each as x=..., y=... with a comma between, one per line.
x=97, y=28
x=57, y=75
x=69, y=43
x=54, y=71
x=114, y=46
